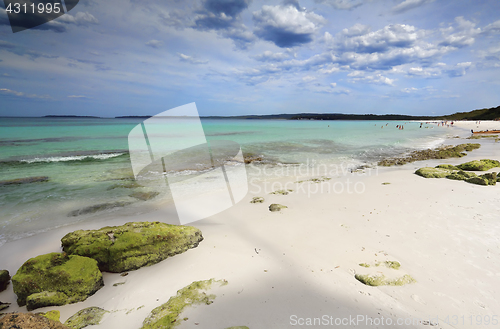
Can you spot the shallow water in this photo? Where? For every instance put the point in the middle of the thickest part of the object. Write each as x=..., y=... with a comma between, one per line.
x=87, y=159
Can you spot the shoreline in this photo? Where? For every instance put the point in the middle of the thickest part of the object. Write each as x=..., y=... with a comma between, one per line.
x=443, y=233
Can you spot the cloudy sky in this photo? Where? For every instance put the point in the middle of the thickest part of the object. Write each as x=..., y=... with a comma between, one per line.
x=234, y=57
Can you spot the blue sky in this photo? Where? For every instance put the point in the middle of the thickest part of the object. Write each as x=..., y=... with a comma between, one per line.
x=235, y=57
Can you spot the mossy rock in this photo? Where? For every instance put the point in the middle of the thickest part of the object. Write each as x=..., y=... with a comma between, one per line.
x=4, y=279
x=257, y=199
x=28, y=321
x=485, y=179
x=75, y=276
x=479, y=165
x=364, y=265
x=447, y=166
x=3, y=306
x=125, y=184
x=166, y=316
x=46, y=298
x=382, y=280
x=144, y=196
x=429, y=172
x=89, y=316
x=461, y=175
x=133, y=245
x=276, y=207
x=239, y=327
x=52, y=315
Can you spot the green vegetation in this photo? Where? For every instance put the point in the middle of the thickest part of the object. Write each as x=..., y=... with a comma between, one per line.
x=166, y=316
x=444, y=152
x=87, y=317
x=257, y=199
x=276, y=207
x=53, y=315
x=429, y=172
x=461, y=175
x=133, y=245
x=447, y=166
x=482, y=114
x=479, y=165
x=56, y=279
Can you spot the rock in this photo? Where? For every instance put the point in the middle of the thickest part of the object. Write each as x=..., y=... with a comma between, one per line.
x=276, y=207
x=133, y=245
x=429, y=172
x=443, y=152
x=282, y=192
x=87, y=317
x=166, y=316
x=125, y=184
x=381, y=280
x=52, y=315
x=3, y=306
x=479, y=165
x=461, y=175
x=253, y=158
x=29, y=321
x=257, y=199
x=46, y=298
x=486, y=179
x=26, y=180
x=98, y=207
x=53, y=276
x=390, y=264
x=447, y=166
x=144, y=196
x=4, y=279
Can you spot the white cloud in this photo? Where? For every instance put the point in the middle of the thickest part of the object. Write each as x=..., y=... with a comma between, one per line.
x=409, y=4
x=378, y=79
x=343, y=4
x=461, y=36
x=286, y=26
x=190, y=59
x=154, y=44
x=269, y=56
x=81, y=19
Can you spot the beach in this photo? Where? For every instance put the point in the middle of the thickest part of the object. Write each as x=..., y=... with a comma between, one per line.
x=297, y=267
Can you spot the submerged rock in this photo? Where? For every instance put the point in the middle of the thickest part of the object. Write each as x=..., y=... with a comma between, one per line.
x=257, y=199
x=98, y=207
x=26, y=180
x=56, y=279
x=133, y=245
x=276, y=207
x=4, y=279
x=144, y=196
x=29, y=321
x=382, y=280
x=430, y=172
x=166, y=316
x=479, y=165
x=89, y=316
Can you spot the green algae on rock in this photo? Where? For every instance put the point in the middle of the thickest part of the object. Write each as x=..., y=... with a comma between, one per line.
x=29, y=321
x=89, y=316
x=430, y=172
x=276, y=207
x=479, y=165
x=485, y=179
x=257, y=199
x=132, y=245
x=447, y=166
x=239, y=327
x=26, y=180
x=382, y=280
x=390, y=264
x=364, y=265
x=166, y=316
x=461, y=175
x=74, y=276
x=4, y=279
x=52, y=315
x=46, y=298
x=443, y=152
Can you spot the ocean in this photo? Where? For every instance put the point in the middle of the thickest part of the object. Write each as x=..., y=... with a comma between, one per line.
x=89, y=170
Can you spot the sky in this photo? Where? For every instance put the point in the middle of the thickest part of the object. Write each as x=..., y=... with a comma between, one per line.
x=243, y=57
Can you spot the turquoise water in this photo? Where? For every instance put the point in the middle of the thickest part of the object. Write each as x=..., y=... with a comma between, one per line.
x=87, y=159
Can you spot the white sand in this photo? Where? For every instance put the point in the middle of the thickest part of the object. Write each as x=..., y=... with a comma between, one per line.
x=301, y=261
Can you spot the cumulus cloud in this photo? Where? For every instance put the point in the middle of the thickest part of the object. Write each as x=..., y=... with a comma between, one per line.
x=190, y=59
x=379, y=79
x=80, y=19
x=408, y=4
x=459, y=69
x=342, y=4
x=154, y=44
x=462, y=35
x=286, y=26
x=9, y=92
